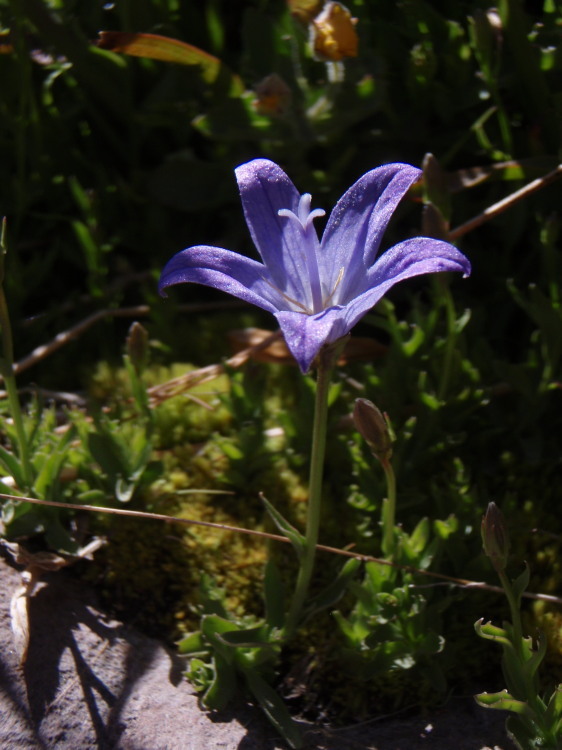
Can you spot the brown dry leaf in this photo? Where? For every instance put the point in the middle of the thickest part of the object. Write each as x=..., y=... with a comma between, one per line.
x=19, y=615
x=35, y=564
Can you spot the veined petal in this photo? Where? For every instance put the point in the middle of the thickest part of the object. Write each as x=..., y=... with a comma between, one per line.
x=305, y=334
x=265, y=189
x=357, y=223
x=414, y=257
x=222, y=269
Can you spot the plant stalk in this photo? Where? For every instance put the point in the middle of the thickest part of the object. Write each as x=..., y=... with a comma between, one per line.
x=7, y=371
x=326, y=360
x=388, y=515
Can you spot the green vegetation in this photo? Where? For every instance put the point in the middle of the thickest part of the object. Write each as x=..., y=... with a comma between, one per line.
x=117, y=152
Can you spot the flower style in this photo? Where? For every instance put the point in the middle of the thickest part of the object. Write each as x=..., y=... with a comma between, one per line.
x=317, y=290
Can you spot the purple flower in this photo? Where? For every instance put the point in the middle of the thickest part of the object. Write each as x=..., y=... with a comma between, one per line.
x=317, y=290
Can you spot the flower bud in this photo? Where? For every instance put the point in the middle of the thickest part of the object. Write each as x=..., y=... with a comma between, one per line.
x=495, y=538
x=136, y=346
x=373, y=427
x=333, y=34
x=273, y=96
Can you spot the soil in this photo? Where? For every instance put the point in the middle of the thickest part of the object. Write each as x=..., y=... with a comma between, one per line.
x=90, y=682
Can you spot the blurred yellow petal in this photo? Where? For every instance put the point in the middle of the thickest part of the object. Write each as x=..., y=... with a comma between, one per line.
x=333, y=33
x=305, y=10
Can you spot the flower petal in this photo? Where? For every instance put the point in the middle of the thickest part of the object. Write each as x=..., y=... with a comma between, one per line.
x=264, y=190
x=305, y=334
x=357, y=223
x=414, y=257
x=222, y=269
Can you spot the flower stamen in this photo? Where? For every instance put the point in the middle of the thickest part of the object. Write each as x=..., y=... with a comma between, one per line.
x=286, y=297
x=328, y=299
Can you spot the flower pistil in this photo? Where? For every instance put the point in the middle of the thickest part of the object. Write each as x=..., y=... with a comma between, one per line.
x=303, y=219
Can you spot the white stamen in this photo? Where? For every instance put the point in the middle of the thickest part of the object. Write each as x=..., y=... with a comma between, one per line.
x=286, y=296
x=338, y=281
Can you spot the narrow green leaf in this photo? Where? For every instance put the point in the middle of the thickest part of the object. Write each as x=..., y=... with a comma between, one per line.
x=521, y=583
x=274, y=708
x=274, y=596
x=295, y=537
x=11, y=464
x=334, y=592
x=554, y=707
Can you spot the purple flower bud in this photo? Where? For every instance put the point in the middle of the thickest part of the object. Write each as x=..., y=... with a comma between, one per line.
x=373, y=427
x=495, y=538
x=136, y=346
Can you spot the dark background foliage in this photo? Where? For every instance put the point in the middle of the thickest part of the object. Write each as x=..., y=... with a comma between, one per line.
x=111, y=163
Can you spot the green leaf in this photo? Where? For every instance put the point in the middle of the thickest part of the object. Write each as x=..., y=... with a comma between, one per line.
x=492, y=632
x=445, y=528
x=504, y=702
x=334, y=592
x=521, y=583
x=106, y=452
x=274, y=708
x=213, y=626
x=295, y=537
x=51, y=467
x=525, y=735
x=12, y=465
x=124, y=489
x=247, y=638
x=192, y=643
x=554, y=706
x=536, y=656
x=224, y=685
x=274, y=596
x=200, y=674
x=419, y=536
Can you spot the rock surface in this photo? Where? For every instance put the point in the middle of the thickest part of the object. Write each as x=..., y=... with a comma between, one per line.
x=91, y=683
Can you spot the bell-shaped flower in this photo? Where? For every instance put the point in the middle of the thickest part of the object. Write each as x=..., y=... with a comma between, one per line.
x=317, y=289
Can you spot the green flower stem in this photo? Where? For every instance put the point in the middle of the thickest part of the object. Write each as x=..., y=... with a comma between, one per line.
x=314, y=489
x=531, y=697
x=388, y=510
x=515, y=613
x=7, y=371
x=451, y=341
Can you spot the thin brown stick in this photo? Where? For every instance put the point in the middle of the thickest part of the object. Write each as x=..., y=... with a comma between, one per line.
x=63, y=338
x=462, y=582
x=179, y=385
x=505, y=203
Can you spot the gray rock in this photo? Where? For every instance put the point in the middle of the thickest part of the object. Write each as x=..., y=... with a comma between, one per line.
x=91, y=683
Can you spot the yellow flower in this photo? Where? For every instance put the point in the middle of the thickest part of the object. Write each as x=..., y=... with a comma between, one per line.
x=304, y=10
x=333, y=34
